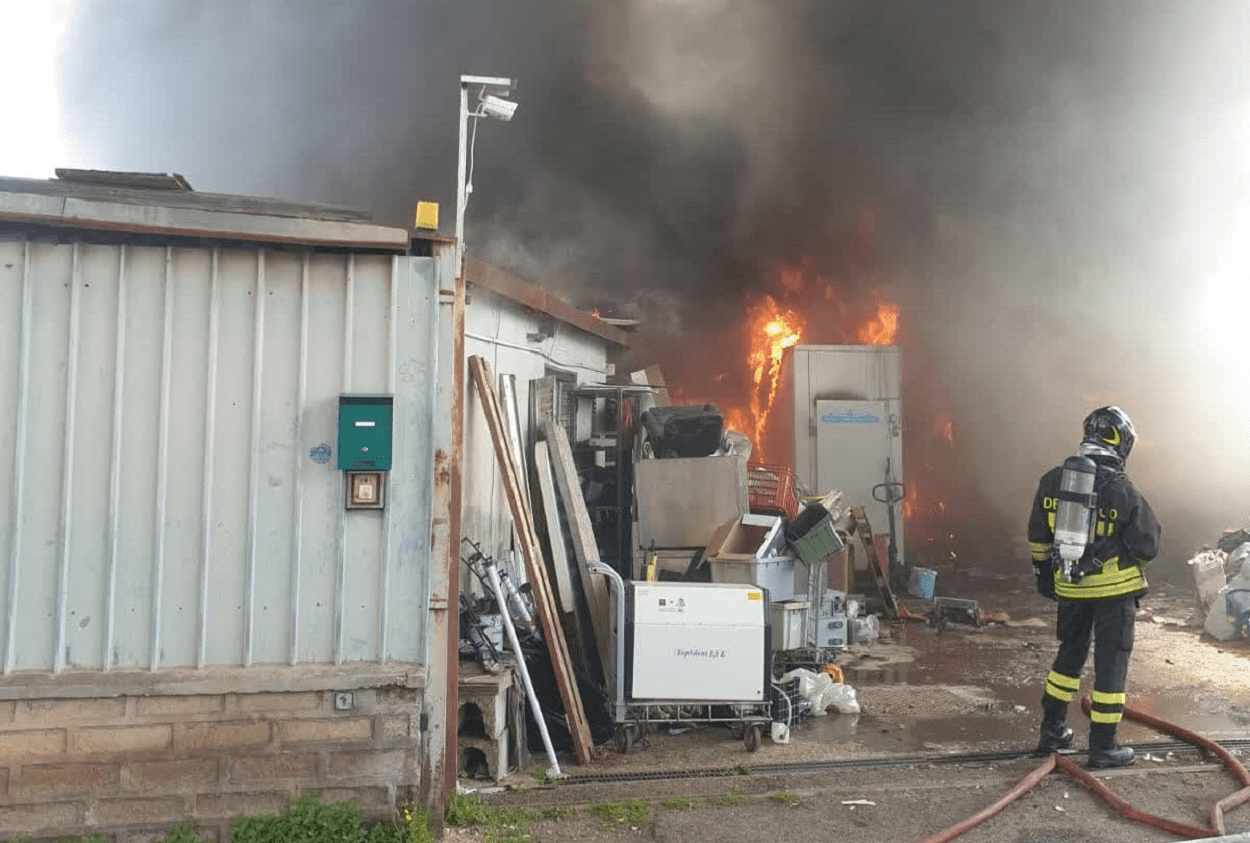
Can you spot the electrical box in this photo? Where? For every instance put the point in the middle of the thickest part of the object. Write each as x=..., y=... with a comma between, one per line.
x=365, y=423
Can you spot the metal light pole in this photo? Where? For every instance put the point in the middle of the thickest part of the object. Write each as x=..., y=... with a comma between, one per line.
x=490, y=104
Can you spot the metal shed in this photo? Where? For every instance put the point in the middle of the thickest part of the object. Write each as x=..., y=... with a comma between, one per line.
x=173, y=524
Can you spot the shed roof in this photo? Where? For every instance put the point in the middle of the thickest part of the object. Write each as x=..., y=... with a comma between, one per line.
x=159, y=203
x=515, y=288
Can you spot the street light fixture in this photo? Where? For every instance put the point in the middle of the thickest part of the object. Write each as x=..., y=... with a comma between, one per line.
x=491, y=103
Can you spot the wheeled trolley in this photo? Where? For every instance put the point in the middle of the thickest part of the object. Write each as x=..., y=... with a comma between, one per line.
x=689, y=653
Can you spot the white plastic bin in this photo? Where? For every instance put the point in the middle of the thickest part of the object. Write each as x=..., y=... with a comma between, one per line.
x=789, y=623
x=775, y=573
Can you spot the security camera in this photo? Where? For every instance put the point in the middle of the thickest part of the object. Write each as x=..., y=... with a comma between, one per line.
x=498, y=107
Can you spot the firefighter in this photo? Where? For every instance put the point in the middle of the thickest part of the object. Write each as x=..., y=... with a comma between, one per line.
x=1100, y=593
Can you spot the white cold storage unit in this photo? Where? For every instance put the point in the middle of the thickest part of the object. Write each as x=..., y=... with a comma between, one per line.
x=703, y=642
x=848, y=425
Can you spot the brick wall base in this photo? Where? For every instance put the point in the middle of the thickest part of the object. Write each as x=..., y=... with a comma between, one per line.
x=131, y=766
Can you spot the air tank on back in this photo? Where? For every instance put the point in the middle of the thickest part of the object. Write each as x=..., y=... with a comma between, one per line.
x=1074, y=516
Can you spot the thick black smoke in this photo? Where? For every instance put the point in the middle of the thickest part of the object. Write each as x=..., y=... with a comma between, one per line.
x=1051, y=188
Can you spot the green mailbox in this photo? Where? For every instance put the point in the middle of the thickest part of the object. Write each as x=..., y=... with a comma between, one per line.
x=365, y=432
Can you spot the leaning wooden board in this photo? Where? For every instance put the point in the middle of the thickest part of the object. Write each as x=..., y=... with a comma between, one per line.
x=544, y=601
x=874, y=562
x=585, y=548
x=551, y=515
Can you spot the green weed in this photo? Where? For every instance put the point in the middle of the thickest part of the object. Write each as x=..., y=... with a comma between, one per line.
x=680, y=803
x=465, y=810
x=737, y=796
x=183, y=833
x=624, y=811
x=784, y=797
x=558, y=812
x=307, y=819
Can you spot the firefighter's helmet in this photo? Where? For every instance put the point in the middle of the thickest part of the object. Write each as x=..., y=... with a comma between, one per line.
x=1108, y=432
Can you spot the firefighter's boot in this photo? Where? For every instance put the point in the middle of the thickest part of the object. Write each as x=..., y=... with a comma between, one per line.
x=1104, y=752
x=1056, y=736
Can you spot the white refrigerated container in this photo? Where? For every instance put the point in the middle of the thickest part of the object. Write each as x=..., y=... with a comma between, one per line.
x=848, y=425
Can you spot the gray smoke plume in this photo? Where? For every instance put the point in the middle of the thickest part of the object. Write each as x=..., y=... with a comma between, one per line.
x=1050, y=189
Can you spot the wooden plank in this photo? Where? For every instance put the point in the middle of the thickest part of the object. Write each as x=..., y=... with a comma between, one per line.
x=544, y=601
x=585, y=549
x=551, y=513
x=864, y=530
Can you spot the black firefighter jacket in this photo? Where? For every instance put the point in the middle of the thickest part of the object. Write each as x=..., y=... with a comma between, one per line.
x=1126, y=536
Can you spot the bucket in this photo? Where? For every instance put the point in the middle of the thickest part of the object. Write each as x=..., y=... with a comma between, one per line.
x=921, y=582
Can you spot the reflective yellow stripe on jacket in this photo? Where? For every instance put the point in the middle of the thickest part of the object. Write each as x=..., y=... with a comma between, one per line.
x=1109, y=582
x=1040, y=551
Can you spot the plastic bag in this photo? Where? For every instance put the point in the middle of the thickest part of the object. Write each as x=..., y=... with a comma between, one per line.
x=842, y=698
x=822, y=693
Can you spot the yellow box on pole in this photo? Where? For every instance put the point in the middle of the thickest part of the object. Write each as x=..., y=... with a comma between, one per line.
x=427, y=215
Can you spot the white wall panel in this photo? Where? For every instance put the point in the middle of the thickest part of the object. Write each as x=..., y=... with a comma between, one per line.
x=167, y=431
x=500, y=330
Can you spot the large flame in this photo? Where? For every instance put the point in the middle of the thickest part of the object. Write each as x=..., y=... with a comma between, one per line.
x=882, y=329
x=771, y=330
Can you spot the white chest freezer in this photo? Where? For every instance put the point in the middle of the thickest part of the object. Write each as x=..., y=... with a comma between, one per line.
x=697, y=642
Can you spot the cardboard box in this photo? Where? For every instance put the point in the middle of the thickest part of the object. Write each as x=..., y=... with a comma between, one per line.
x=839, y=570
x=746, y=538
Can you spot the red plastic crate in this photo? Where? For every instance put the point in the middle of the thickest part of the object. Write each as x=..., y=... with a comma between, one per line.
x=771, y=489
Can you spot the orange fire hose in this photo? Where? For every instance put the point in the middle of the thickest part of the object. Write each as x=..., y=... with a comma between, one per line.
x=1223, y=806
x=1056, y=761
x=1022, y=787
x=1076, y=771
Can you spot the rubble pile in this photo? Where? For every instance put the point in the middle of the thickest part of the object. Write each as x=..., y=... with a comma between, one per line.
x=1222, y=580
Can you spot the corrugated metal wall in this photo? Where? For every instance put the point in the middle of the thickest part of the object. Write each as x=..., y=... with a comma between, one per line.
x=167, y=426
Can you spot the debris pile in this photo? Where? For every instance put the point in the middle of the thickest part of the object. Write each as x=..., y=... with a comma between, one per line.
x=1222, y=580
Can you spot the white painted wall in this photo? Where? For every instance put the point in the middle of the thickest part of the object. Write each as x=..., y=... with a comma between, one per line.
x=498, y=329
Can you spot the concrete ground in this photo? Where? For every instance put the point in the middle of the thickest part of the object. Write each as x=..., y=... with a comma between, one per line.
x=924, y=695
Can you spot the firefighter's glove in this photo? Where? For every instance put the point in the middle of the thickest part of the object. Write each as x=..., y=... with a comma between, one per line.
x=1045, y=577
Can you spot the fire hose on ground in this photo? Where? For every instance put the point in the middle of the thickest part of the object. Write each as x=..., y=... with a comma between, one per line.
x=1056, y=761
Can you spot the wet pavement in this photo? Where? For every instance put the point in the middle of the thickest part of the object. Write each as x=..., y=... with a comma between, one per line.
x=993, y=677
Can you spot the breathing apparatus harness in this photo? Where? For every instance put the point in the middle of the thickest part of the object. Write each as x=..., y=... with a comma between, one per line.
x=1076, y=515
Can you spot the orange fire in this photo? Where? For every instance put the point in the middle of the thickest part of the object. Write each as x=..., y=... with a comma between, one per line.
x=882, y=329
x=909, y=500
x=595, y=313
x=944, y=428
x=772, y=329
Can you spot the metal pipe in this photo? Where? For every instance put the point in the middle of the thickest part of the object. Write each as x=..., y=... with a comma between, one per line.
x=462, y=157
x=618, y=615
x=515, y=603
x=493, y=574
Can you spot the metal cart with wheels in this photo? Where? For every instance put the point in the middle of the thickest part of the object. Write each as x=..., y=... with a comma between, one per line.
x=645, y=658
